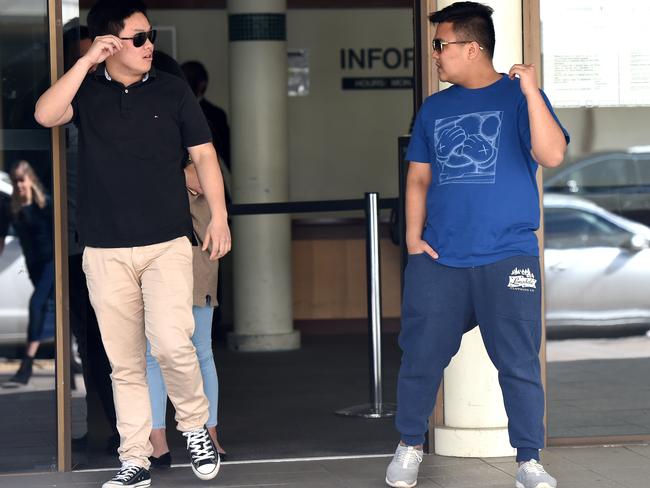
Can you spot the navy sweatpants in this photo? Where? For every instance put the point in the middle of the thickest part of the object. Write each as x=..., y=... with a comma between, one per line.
x=440, y=304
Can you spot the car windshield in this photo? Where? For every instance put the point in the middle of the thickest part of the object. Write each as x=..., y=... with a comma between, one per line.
x=566, y=228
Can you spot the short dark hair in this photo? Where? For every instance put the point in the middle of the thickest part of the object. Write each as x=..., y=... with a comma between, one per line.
x=72, y=34
x=108, y=16
x=195, y=73
x=471, y=21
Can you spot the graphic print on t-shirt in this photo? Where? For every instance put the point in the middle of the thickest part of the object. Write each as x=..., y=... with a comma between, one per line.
x=467, y=146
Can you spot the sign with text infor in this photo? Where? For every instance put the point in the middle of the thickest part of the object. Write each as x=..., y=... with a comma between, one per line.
x=595, y=53
x=376, y=65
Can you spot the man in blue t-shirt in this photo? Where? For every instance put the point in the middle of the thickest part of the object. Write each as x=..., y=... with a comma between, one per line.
x=472, y=208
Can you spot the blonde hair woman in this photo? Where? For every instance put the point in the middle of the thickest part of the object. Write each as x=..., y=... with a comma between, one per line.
x=31, y=212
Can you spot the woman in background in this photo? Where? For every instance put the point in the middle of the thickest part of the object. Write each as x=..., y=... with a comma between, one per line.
x=205, y=291
x=31, y=214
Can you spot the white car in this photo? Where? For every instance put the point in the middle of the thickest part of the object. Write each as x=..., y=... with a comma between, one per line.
x=597, y=268
x=15, y=286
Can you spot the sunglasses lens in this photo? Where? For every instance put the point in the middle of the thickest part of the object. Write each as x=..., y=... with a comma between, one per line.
x=139, y=39
x=437, y=45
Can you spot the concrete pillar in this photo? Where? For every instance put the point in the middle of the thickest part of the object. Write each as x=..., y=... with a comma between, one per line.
x=476, y=424
x=259, y=135
x=475, y=421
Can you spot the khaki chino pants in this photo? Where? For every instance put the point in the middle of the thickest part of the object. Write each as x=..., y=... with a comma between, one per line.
x=141, y=293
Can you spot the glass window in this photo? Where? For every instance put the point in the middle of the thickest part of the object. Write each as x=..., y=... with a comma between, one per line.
x=27, y=381
x=570, y=228
x=642, y=163
x=597, y=275
x=600, y=172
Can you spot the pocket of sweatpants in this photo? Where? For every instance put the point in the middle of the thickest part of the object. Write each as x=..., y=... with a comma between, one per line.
x=518, y=291
x=417, y=280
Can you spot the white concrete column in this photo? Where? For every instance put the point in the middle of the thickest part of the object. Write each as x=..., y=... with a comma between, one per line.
x=476, y=424
x=475, y=421
x=259, y=137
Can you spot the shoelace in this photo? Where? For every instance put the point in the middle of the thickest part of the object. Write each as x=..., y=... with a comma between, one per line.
x=199, y=445
x=126, y=472
x=408, y=456
x=533, y=467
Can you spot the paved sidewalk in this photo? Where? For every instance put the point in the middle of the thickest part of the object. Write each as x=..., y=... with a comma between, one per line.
x=588, y=467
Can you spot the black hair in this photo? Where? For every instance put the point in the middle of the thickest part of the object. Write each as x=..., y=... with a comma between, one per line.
x=471, y=21
x=72, y=34
x=108, y=16
x=195, y=73
x=84, y=33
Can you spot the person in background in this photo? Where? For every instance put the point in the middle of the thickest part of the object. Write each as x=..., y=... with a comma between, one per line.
x=95, y=367
x=205, y=289
x=31, y=213
x=197, y=76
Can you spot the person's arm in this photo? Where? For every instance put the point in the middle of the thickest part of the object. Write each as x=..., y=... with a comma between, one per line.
x=54, y=107
x=547, y=139
x=217, y=236
x=418, y=180
x=192, y=179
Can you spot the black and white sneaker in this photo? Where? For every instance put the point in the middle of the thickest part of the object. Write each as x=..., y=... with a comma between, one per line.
x=129, y=475
x=204, y=457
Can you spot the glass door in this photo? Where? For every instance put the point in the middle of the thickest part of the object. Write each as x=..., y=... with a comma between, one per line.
x=27, y=324
x=597, y=218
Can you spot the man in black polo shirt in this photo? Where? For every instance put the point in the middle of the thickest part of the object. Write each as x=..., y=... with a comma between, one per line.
x=135, y=129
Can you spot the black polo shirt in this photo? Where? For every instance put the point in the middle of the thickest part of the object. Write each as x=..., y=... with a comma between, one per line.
x=132, y=146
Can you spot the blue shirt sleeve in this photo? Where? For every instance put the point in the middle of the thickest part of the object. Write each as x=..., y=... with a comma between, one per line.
x=524, y=124
x=418, y=149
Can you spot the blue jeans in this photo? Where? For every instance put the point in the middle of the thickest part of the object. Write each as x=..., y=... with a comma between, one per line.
x=41, y=306
x=202, y=340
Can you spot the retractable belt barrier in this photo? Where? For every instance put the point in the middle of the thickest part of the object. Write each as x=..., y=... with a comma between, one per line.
x=371, y=204
x=306, y=207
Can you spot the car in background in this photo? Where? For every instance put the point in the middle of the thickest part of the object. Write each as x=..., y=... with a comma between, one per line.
x=618, y=181
x=597, y=269
x=15, y=286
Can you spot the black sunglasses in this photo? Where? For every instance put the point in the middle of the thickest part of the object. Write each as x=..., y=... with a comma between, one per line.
x=141, y=37
x=438, y=44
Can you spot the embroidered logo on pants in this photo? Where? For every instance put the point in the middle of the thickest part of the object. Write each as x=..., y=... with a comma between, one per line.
x=522, y=279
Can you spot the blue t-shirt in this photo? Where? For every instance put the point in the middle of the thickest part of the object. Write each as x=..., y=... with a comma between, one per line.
x=483, y=202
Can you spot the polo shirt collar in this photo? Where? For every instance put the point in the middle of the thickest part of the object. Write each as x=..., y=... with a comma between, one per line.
x=102, y=72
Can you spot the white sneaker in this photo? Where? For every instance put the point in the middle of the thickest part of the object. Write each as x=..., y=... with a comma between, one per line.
x=402, y=472
x=531, y=474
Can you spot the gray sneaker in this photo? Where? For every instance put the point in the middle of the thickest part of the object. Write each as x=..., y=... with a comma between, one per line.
x=531, y=474
x=402, y=471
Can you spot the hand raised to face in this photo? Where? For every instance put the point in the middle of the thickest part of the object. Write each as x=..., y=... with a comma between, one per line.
x=102, y=48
